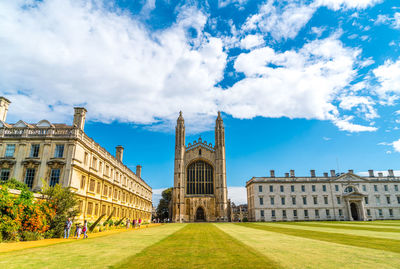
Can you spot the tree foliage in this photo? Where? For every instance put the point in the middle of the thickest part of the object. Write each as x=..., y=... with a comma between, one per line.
x=163, y=205
x=65, y=203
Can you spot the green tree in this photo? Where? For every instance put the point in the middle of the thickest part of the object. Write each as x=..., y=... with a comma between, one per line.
x=163, y=205
x=65, y=203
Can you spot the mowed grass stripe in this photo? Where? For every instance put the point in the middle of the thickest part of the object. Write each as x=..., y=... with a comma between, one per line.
x=198, y=246
x=345, y=239
x=382, y=235
x=355, y=224
x=296, y=252
x=99, y=252
x=394, y=223
x=345, y=227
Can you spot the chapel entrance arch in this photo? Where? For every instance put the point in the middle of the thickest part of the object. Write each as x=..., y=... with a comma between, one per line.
x=200, y=214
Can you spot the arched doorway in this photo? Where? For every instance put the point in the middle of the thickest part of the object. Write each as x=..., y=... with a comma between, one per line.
x=200, y=216
x=354, y=211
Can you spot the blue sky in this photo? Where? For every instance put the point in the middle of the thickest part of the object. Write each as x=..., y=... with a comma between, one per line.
x=301, y=84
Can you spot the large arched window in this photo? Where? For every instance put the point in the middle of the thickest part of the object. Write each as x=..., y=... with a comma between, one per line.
x=199, y=178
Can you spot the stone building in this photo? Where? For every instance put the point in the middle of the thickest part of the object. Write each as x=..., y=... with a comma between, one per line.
x=200, y=191
x=239, y=213
x=344, y=196
x=64, y=154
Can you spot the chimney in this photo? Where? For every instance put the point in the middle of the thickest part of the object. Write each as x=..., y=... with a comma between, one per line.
x=138, y=170
x=326, y=174
x=291, y=173
x=272, y=172
x=312, y=173
x=380, y=174
x=119, y=153
x=351, y=171
x=286, y=174
x=79, y=117
x=371, y=173
x=390, y=173
x=4, y=103
x=333, y=173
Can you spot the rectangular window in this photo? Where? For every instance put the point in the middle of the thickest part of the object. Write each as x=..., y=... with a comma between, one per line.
x=282, y=188
x=396, y=187
x=317, y=213
x=292, y=188
x=293, y=200
x=92, y=185
x=272, y=201
x=54, y=177
x=304, y=200
x=295, y=213
x=326, y=200
x=338, y=200
x=364, y=188
x=303, y=188
x=341, y=212
x=378, y=200
x=10, y=150
x=391, y=212
x=386, y=187
x=5, y=174
x=368, y=212
x=284, y=213
x=398, y=199
x=273, y=213
x=306, y=213
x=89, y=208
x=261, y=201
x=366, y=200
x=388, y=200
x=105, y=190
x=94, y=162
x=98, y=188
x=380, y=212
x=315, y=199
x=336, y=187
x=260, y=188
x=313, y=188
x=323, y=187
x=30, y=176
x=283, y=200
x=83, y=181
x=262, y=213
x=59, y=152
x=85, y=158
x=327, y=212
x=271, y=188
x=375, y=187
x=96, y=210
x=34, y=150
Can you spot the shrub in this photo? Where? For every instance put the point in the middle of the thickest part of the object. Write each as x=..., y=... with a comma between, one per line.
x=64, y=202
x=245, y=220
x=31, y=236
x=14, y=184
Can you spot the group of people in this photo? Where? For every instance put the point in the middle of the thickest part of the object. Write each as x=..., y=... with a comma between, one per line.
x=83, y=228
x=135, y=223
x=78, y=231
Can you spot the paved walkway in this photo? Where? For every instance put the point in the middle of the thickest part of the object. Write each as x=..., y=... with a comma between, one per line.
x=7, y=247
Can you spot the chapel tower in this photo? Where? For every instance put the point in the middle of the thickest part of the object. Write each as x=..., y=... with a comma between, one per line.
x=200, y=191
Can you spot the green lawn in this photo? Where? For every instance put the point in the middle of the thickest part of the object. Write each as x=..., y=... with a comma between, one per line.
x=226, y=245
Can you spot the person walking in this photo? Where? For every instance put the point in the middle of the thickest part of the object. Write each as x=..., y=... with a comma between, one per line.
x=134, y=223
x=128, y=222
x=67, y=228
x=140, y=222
x=78, y=231
x=84, y=230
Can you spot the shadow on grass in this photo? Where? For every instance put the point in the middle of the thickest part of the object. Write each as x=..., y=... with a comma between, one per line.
x=335, y=226
x=198, y=246
x=344, y=239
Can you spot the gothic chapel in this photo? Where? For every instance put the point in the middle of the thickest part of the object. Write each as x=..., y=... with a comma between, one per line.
x=200, y=192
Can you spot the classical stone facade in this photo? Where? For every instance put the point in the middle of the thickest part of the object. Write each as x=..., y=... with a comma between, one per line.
x=200, y=191
x=64, y=154
x=343, y=196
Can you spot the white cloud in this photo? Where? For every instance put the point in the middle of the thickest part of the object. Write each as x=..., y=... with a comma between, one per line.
x=396, y=145
x=224, y=3
x=347, y=4
x=326, y=138
x=364, y=105
x=238, y=195
x=394, y=21
x=345, y=125
x=388, y=76
x=251, y=41
x=63, y=53
x=157, y=196
x=294, y=84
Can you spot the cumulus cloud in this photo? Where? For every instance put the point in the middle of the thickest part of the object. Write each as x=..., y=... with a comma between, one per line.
x=394, y=21
x=347, y=4
x=62, y=53
x=251, y=41
x=388, y=77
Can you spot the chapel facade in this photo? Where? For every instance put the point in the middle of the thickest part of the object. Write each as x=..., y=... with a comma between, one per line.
x=200, y=191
